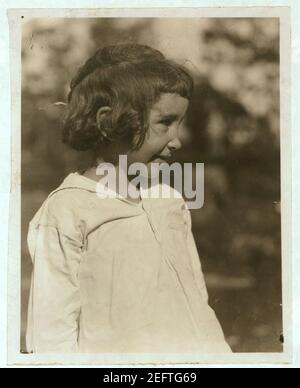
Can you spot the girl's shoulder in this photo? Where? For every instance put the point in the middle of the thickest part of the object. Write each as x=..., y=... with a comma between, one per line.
x=64, y=209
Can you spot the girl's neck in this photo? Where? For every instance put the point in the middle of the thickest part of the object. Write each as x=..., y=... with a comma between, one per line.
x=91, y=173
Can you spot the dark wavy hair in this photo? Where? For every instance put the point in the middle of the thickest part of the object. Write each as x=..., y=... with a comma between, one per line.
x=129, y=78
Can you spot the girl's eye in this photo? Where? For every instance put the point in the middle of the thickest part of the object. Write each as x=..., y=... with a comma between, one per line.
x=166, y=122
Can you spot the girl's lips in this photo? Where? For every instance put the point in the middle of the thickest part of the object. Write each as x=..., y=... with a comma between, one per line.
x=161, y=159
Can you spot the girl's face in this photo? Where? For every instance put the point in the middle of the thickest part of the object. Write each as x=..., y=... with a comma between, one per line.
x=163, y=137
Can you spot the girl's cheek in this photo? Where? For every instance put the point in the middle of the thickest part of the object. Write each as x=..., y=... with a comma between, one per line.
x=158, y=130
x=158, y=138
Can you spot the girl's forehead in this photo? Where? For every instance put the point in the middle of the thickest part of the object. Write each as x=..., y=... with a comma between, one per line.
x=170, y=104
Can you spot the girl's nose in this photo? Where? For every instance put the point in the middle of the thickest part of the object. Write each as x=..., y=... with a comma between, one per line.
x=175, y=144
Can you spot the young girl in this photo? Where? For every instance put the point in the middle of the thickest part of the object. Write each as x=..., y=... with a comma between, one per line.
x=119, y=274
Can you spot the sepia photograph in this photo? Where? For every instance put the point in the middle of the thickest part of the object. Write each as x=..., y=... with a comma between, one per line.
x=151, y=191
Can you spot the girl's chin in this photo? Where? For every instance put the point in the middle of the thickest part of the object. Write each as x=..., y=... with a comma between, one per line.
x=156, y=163
x=154, y=167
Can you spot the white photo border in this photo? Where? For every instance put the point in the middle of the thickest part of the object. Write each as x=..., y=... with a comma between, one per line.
x=14, y=185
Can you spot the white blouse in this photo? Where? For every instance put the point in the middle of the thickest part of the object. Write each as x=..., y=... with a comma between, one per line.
x=110, y=275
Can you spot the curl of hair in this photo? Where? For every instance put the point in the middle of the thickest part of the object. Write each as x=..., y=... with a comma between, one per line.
x=129, y=79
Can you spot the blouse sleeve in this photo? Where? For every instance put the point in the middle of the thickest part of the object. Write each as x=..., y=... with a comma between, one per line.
x=195, y=260
x=54, y=302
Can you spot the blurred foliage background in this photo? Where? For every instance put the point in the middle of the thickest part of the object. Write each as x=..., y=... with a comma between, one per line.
x=234, y=129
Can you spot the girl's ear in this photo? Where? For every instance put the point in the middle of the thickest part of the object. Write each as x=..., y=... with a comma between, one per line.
x=100, y=115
